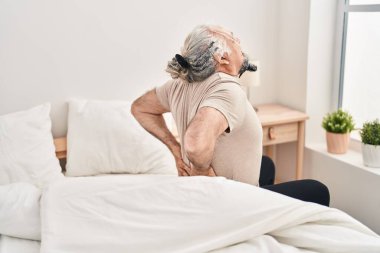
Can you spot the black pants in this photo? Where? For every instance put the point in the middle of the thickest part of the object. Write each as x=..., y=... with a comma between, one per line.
x=306, y=189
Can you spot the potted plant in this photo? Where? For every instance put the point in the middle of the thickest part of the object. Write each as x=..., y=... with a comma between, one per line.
x=338, y=126
x=370, y=134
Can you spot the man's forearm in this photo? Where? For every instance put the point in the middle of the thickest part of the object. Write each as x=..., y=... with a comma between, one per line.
x=200, y=138
x=155, y=125
x=200, y=151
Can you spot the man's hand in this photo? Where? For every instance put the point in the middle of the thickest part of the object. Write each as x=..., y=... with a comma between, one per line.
x=196, y=172
x=183, y=169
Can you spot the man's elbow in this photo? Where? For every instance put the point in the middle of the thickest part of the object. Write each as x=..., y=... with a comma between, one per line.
x=135, y=108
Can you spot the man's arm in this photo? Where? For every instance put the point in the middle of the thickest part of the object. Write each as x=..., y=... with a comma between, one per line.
x=201, y=136
x=148, y=111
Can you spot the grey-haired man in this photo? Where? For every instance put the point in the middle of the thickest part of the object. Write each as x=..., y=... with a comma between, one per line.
x=219, y=131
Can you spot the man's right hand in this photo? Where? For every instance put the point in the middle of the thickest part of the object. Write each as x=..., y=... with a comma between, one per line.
x=183, y=169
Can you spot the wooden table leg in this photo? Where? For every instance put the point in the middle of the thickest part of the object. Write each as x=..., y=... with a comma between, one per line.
x=300, y=149
x=270, y=151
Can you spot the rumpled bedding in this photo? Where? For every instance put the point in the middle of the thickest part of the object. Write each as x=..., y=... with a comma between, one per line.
x=157, y=213
x=20, y=210
x=16, y=245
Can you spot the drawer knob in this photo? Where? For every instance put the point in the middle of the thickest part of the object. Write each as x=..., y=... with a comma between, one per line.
x=271, y=133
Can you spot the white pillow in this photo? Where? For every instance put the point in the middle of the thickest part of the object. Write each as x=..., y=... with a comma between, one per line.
x=20, y=211
x=103, y=137
x=27, y=151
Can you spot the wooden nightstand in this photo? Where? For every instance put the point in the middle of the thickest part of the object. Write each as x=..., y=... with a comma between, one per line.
x=282, y=125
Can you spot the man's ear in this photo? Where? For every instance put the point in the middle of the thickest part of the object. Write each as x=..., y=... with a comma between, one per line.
x=222, y=60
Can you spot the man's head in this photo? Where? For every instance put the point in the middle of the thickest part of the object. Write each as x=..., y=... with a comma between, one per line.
x=209, y=49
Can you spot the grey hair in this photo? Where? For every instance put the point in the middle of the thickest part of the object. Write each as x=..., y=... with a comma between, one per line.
x=198, y=50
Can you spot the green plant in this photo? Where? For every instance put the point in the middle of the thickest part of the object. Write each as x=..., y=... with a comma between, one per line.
x=370, y=132
x=338, y=122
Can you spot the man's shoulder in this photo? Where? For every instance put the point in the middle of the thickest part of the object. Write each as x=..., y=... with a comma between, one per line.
x=226, y=77
x=220, y=80
x=220, y=76
x=169, y=86
x=225, y=82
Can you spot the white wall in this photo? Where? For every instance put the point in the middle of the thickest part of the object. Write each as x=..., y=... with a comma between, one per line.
x=291, y=76
x=321, y=65
x=54, y=50
x=292, y=57
x=353, y=189
x=307, y=81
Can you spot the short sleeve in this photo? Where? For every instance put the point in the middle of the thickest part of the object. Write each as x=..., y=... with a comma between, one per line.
x=164, y=95
x=231, y=101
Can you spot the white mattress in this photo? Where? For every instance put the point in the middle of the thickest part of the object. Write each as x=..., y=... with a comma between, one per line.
x=16, y=245
x=154, y=213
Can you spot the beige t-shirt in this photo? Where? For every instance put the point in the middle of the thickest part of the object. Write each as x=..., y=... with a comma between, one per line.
x=238, y=151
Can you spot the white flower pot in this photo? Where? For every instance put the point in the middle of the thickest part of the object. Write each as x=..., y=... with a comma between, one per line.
x=371, y=155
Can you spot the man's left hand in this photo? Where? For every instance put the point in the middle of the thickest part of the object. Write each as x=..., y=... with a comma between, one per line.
x=196, y=172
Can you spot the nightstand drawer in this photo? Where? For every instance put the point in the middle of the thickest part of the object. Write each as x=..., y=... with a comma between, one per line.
x=280, y=133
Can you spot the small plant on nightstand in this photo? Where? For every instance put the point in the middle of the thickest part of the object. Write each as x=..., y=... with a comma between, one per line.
x=338, y=126
x=370, y=134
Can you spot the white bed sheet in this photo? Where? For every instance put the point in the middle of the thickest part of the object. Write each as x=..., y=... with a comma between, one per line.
x=156, y=213
x=16, y=245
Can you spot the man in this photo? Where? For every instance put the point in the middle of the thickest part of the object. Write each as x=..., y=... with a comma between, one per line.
x=219, y=131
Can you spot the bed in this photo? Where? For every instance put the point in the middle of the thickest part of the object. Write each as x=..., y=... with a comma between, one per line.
x=160, y=213
x=10, y=244
x=166, y=213
x=148, y=209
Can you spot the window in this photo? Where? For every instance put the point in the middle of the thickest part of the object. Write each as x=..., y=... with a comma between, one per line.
x=359, y=88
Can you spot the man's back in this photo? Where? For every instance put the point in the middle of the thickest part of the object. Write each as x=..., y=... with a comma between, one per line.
x=238, y=151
